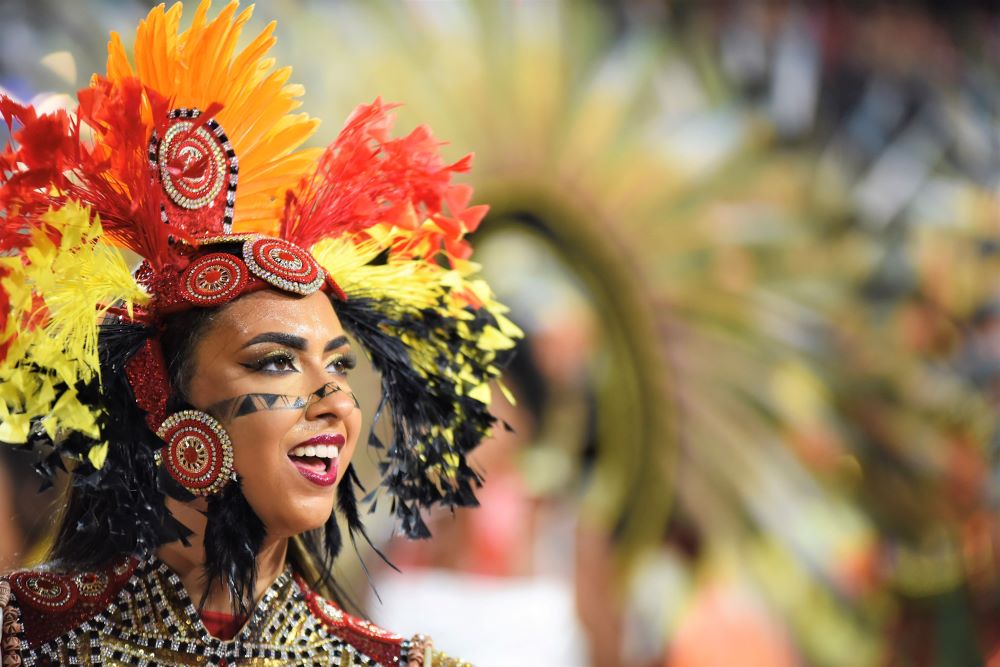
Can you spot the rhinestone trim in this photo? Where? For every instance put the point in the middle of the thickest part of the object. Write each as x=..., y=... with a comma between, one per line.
x=214, y=279
x=199, y=454
x=44, y=592
x=283, y=265
x=91, y=584
x=151, y=620
x=208, y=143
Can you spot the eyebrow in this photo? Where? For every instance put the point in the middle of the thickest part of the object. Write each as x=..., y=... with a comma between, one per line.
x=294, y=342
x=339, y=341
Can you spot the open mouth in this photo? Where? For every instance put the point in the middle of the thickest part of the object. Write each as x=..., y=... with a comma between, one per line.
x=317, y=463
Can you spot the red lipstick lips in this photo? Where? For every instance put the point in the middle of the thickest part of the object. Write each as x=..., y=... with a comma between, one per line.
x=310, y=458
x=325, y=439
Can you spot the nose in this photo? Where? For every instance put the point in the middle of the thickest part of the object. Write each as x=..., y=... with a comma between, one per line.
x=333, y=400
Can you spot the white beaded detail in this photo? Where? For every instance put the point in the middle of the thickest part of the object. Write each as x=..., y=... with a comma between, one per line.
x=303, y=262
x=207, y=186
x=208, y=142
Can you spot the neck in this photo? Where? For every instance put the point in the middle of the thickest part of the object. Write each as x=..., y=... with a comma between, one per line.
x=188, y=562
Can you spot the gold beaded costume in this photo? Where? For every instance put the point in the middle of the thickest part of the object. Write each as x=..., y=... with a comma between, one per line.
x=138, y=613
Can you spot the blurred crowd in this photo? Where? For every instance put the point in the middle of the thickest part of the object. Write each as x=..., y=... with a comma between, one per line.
x=754, y=248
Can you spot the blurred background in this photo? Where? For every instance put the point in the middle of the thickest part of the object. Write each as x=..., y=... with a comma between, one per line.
x=755, y=249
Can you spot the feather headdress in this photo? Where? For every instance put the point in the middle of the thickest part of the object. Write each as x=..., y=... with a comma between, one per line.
x=193, y=148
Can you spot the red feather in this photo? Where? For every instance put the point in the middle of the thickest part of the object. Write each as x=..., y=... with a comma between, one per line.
x=118, y=181
x=6, y=342
x=366, y=177
x=50, y=163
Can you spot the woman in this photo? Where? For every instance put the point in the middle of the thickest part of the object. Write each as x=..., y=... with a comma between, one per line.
x=202, y=403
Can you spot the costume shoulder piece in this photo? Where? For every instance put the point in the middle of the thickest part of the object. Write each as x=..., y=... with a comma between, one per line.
x=388, y=648
x=43, y=605
x=384, y=646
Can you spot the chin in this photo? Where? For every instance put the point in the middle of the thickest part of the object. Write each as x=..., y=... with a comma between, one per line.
x=287, y=504
x=305, y=517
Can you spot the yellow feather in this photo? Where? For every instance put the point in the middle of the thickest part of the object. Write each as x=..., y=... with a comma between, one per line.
x=98, y=454
x=412, y=285
x=407, y=287
x=76, y=280
x=83, y=279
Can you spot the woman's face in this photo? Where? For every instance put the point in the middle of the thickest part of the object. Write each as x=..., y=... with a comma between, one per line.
x=273, y=369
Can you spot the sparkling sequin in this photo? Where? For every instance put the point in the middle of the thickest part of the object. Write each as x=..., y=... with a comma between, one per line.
x=147, y=374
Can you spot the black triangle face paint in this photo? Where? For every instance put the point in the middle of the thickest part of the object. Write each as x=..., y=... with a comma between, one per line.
x=248, y=404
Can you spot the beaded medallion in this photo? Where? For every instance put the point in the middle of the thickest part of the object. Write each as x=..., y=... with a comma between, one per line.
x=213, y=279
x=44, y=591
x=192, y=166
x=195, y=162
x=283, y=265
x=199, y=454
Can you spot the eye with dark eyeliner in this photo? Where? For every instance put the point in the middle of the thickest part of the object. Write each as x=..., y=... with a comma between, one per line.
x=342, y=363
x=281, y=362
x=274, y=362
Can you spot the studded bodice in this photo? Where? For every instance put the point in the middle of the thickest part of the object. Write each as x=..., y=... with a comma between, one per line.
x=138, y=613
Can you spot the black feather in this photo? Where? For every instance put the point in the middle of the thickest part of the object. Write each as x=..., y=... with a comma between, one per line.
x=118, y=508
x=332, y=541
x=233, y=538
x=420, y=406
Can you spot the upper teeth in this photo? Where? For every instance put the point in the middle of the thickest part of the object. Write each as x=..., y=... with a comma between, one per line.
x=322, y=451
